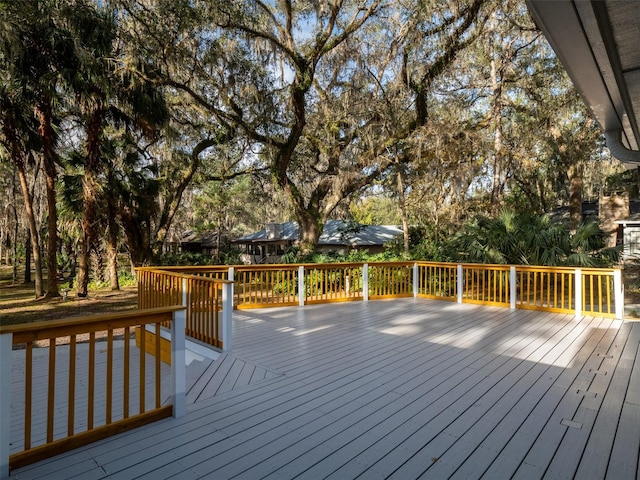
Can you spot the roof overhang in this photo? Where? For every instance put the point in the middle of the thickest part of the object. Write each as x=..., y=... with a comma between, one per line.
x=597, y=43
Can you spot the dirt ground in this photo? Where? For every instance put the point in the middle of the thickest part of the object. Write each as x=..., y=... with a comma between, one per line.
x=19, y=305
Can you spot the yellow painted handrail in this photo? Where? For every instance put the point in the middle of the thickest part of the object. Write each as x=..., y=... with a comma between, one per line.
x=201, y=296
x=99, y=398
x=529, y=287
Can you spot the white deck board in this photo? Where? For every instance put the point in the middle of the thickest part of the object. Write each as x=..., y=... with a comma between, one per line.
x=400, y=388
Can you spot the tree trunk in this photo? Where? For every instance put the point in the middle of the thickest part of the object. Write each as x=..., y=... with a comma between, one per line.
x=498, y=154
x=137, y=238
x=27, y=258
x=90, y=191
x=112, y=252
x=15, y=246
x=45, y=131
x=403, y=208
x=310, y=228
x=112, y=226
x=575, y=196
x=33, y=229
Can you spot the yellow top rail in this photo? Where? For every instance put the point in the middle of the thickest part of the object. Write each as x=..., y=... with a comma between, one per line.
x=522, y=286
x=97, y=384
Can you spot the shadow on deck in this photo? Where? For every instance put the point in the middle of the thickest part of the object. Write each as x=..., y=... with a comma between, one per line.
x=394, y=389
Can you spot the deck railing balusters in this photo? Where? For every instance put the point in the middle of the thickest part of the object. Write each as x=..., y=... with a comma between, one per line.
x=44, y=431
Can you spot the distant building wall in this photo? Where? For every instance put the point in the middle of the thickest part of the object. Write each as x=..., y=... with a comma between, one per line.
x=632, y=242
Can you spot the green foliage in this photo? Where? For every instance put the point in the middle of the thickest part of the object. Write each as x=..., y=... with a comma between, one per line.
x=625, y=181
x=283, y=285
x=524, y=239
x=376, y=210
x=185, y=258
x=125, y=279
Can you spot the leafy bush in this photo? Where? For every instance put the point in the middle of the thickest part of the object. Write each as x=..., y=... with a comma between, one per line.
x=185, y=258
x=523, y=239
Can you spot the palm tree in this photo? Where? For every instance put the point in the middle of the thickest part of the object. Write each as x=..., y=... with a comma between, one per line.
x=524, y=239
x=18, y=138
x=40, y=57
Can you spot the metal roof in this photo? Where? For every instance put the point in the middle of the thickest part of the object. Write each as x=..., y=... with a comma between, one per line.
x=335, y=232
x=597, y=43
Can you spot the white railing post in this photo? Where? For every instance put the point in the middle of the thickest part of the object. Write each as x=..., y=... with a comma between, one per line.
x=513, y=288
x=178, y=363
x=185, y=294
x=578, y=292
x=227, y=317
x=416, y=277
x=6, y=346
x=231, y=274
x=460, y=283
x=618, y=294
x=365, y=282
x=231, y=277
x=301, y=290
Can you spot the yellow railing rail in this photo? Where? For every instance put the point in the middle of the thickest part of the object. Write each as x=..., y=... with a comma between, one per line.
x=556, y=289
x=83, y=380
x=546, y=288
x=201, y=294
x=541, y=288
x=390, y=279
x=332, y=282
x=486, y=284
x=598, y=293
x=257, y=286
x=437, y=280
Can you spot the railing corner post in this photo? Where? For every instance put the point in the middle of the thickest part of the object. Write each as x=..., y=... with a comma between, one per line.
x=178, y=362
x=513, y=287
x=185, y=292
x=619, y=293
x=578, y=293
x=302, y=294
x=460, y=283
x=227, y=317
x=416, y=277
x=365, y=282
x=6, y=345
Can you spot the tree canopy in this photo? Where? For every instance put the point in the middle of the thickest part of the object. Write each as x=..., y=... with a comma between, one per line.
x=137, y=119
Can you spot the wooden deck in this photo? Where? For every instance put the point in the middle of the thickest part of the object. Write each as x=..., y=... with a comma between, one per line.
x=394, y=389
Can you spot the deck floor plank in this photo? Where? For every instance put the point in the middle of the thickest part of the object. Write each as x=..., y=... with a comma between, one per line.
x=403, y=388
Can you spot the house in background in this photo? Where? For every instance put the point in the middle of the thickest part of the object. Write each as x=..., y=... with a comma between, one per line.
x=205, y=243
x=629, y=232
x=338, y=236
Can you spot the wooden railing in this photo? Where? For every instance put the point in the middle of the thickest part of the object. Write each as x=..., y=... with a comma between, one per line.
x=486, y=284
x=82, y=380
x=391, y=279
x=556, y=289
x=437, y=280
x=258, y=286
x=546, y=288
x=332, y=282
x=204, y=294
